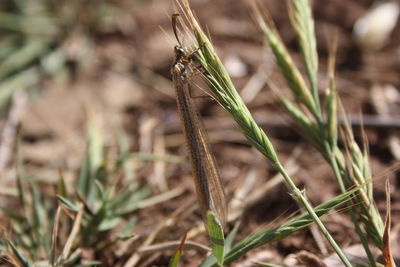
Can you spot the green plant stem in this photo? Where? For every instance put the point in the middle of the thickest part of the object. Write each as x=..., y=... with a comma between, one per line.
x=363, y=239
x=334, y=165
x=299, y=195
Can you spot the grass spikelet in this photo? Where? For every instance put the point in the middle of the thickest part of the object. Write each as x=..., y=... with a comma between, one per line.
x=285, y=62
x=303, y=23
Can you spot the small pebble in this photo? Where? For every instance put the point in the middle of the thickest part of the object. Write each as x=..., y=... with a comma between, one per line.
x=372, y=30
x=235, y=66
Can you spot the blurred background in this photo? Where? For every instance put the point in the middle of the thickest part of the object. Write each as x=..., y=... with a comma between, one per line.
x=68, y=64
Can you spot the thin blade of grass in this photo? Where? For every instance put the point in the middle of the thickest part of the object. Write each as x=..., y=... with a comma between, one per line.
x=68, y=204
x=19, y=167
x=387, y=251
x=61, y=187
x=54, y=236
x=40, y=222
x=216, y=234
x=211, y=260
x=123, y=149
x=22, y=260
x=22, y=57
x=71, y=238
x=133, y=201
x=92, y=162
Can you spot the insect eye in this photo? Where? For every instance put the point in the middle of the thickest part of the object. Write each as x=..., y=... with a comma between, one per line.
x=179, y=50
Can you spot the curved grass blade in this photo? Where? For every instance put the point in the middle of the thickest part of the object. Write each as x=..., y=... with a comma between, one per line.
x=216, y=233
x=22, y=260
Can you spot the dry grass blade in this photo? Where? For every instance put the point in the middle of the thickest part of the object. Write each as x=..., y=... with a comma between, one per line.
x=171, y=245
x=54, y=236
x=387, y=252
x=161, y=198
x=73, y=235
x=9, y=128
x=173, y=218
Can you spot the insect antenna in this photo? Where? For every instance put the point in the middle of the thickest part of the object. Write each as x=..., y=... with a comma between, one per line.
x=175, y=27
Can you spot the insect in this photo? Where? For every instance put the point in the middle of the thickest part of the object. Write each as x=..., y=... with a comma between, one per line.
x=208, y=184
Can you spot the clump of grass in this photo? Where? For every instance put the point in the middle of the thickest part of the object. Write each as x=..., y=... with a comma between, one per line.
x=33, y=36
x=350, y=165
x=98, y=213
x=317, y=121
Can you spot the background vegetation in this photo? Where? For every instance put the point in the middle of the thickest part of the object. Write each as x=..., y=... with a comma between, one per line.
x=91, y=152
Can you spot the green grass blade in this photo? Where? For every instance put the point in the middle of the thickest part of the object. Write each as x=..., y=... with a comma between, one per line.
x=132, y=203
x=123, y=149
x=68, y=204
x=217, y=239
x=123, y=196
x=211, y=260
x=92, y=163
x=109, y=223
x=20, y=170
x=28, y=24
x=61, y=186
x=175, y=259
x=22, y=260
x=40, y=223
x=22, y=57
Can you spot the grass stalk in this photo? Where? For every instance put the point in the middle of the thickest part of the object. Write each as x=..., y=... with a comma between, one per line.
x=324, y=138
x=227, y=96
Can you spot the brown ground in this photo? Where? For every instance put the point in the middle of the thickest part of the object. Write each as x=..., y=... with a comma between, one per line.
x=127, y=80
